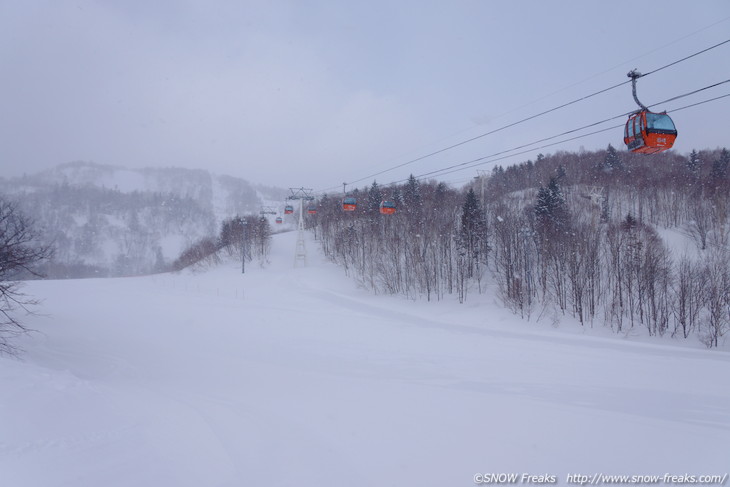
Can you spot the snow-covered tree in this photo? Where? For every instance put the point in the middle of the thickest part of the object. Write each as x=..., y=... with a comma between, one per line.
x=550, y=208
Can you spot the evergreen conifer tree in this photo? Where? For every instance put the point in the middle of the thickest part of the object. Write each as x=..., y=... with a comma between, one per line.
x=375, y=196
x=472, y=232
x=412, y=194
x=612, y=162
x=720, y=166
x=550, y=208
x=471, y=215
x=693, y=163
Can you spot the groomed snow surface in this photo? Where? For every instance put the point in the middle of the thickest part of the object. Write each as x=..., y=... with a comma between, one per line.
x=296, y=377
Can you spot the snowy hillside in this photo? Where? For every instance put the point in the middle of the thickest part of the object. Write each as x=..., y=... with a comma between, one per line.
x=290, y=376
x=109, y=220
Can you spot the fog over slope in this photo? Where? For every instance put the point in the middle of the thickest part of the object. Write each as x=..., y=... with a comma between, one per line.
x=111, y=220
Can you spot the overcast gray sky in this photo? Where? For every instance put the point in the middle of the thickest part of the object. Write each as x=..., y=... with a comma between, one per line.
x=314, y=93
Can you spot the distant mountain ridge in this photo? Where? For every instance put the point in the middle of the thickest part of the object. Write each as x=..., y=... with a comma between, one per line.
x=111, y=220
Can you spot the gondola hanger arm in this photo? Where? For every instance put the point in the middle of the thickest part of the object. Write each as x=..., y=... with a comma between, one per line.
x=634, y=75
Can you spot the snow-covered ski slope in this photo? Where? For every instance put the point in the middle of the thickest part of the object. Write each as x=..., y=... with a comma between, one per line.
x=295, y=377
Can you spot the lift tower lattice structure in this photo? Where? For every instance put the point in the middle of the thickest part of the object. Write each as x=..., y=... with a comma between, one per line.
x=301, y=194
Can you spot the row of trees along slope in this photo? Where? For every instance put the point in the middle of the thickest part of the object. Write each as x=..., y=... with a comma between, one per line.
x=568, y=234
x=246, y=238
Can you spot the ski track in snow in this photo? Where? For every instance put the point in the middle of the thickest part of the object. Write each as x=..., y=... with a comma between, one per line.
x=293, y=376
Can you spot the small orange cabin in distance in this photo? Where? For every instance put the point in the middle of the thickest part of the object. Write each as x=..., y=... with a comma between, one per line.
x=387, y=207
x=279, y=219
x=312, y=210
x=648, y=132
x=288, y=209
x=349, y=204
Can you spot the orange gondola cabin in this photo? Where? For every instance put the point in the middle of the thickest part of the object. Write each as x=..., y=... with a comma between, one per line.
x=387, y=207
x=288, y=209
x=648, y=132
x=279, y=219
x=312, y=210
x=349, y=204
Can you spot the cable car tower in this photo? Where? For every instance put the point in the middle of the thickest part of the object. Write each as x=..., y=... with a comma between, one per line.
x=301, y=194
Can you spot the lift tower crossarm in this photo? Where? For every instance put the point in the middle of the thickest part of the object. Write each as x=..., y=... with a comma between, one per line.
x=300, y=194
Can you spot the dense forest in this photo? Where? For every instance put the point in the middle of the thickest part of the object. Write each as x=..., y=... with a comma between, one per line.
x=611, y=238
